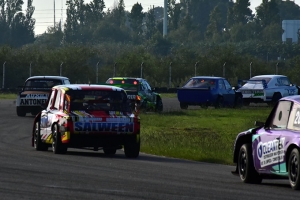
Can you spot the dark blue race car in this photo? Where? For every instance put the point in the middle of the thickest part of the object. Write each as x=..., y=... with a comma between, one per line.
x=208, y=91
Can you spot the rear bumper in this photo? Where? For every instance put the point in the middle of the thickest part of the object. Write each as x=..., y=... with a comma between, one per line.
x=82, y=140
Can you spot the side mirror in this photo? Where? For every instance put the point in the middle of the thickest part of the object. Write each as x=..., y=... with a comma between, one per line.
x=257, y=123
x=153, y=89
x=233, y=88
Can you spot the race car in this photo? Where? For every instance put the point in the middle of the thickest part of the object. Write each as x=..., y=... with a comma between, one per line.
x=267, y=89
x=272, y=149
x=35, y=92
x=96, y=117
x=207, y=91
x=139, y=90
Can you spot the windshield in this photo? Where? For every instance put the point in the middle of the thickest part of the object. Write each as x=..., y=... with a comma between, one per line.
x=200, y=83
x=41, y=84
x=98, y=100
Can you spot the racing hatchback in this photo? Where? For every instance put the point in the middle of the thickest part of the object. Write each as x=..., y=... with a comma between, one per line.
x=96, y=117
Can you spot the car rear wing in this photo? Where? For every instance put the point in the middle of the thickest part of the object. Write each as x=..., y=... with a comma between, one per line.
x=263, y=82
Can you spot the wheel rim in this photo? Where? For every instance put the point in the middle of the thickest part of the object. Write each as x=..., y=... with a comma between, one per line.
x=54, y=136
x=294, y=169
x=243, y=164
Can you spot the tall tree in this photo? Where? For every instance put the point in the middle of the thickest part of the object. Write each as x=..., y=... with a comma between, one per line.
x=267, y=13
x=241, y=12
x=136, y=18
x=214, y=29
x=118, y=14
x=174, y=12
x=150, y=23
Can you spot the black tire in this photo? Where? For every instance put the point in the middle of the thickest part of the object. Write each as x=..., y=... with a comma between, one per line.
x=184, y=106
x=159, y=106
x=294, y=169
x=21, y=112
x=57, y=146
x=132, y=147
x=219, y=103
x=275, y=99
x=109, y=151
x=238, y=102
x=38, y=144
x=245, y=165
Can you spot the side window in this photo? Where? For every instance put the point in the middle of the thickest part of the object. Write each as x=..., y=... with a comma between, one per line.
x=221, y=84
x=281, y=117
x=147, y=85
x=227, y=85
x=57, y=100
x=143, y=86
x=294, y=122
x=51, y=100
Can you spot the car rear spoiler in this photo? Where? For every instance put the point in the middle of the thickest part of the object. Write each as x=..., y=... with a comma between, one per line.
x=263, y=82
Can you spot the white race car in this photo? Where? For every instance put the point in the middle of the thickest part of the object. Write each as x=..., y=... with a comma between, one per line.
x=267, y=89
x=35, y=92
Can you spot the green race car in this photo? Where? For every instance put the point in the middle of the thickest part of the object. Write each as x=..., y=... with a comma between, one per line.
x=139, y=89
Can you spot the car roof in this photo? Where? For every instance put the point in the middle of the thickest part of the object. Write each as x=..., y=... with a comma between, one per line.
x=88, y=87
x=47, y=77
x=294, y=98
x=268, y=76
x=210, y=77
x=121, y=78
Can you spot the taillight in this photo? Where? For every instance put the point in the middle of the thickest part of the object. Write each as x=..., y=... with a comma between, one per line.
x=138, y=97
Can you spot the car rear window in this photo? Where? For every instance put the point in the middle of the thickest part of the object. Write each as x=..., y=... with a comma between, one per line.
x=200, y=83
x=98, y=100
x=41, y=84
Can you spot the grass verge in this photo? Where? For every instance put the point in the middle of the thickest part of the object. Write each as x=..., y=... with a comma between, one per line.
x=8, y=96
x=200, y=135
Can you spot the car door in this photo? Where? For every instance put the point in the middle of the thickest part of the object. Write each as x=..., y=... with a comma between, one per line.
x=229, y=92
x=45, y=122
x=269, y=142
x=225, y=92
x=150, y=94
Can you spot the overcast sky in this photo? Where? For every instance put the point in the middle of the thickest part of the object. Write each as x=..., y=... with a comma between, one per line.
x=44, y=10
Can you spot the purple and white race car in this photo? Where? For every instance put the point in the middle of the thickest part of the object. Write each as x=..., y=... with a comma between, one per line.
x=272, y=150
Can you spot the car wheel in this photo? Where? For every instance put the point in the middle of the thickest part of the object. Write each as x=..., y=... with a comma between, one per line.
x=132, y=148
x=294, y=169
x=109, y=151
x=275, y=99
x=245, y=165
x=21, y=112
x=184, y=105
x=238, y=102
x=38, y=144
x=219, y=103
x=159, y=106
x=57, y=146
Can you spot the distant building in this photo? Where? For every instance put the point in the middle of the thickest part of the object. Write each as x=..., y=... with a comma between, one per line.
x=291, y=31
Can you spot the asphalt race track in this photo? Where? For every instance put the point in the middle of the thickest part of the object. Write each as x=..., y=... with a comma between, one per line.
x=27, y=174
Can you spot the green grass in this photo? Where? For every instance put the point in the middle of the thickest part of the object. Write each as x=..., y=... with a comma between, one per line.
x=168, y=95
x=8, y=96
x=200, y=135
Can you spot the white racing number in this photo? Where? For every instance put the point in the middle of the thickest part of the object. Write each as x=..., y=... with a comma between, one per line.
x=297, y=118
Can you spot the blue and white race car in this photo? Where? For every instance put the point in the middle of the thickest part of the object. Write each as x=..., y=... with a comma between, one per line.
x=267, y=89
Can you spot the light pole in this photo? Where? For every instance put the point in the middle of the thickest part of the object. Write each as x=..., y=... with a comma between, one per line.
x=170, y=74
x=165, y=18
x=277, y=68
x=142, y=69
x=196, y=68
x=224, y=69
x=3, y=80
x=115, y=65
x=30, y=69
x=250, y=69
x=97, y=72
x=60, y=68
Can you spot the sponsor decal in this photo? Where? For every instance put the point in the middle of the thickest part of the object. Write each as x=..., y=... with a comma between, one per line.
x=36, y=96
x=33, y=101
x=271, y=152
x=103, y=127
x=131, y=97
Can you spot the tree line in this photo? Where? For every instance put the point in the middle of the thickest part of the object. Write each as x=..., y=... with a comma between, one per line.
x=203, y=35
